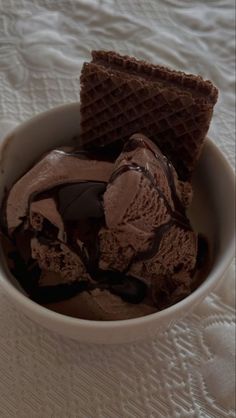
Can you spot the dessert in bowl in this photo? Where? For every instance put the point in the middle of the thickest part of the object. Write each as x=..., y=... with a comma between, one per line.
x=118, y=296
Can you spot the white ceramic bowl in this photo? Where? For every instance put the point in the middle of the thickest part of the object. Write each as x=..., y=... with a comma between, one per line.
x=212, y=213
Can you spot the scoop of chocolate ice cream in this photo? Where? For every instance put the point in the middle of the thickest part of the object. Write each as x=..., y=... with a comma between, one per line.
x=146, y=226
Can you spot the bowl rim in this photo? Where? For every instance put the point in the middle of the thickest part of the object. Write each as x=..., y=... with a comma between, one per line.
x=96, y=325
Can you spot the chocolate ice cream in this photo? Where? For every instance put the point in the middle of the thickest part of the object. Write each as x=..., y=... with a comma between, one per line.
x=98, y=237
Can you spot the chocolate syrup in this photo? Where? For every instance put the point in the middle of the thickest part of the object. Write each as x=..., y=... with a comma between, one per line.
x=59, y=292
x=81, y=200
x=127, y=288
x=27, y=274
x=202, y=252
x=153, y=250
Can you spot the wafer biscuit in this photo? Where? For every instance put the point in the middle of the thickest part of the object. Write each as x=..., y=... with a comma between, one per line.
x=121, y=95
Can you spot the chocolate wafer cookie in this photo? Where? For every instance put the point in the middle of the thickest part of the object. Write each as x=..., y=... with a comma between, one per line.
x=121, y=95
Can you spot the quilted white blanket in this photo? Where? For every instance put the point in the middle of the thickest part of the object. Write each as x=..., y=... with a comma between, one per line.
x=189, y=370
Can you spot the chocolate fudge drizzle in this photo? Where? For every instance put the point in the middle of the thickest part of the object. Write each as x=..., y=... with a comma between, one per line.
x=129, y=288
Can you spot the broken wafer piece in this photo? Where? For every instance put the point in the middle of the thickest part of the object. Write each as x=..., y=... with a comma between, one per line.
x=121, y=95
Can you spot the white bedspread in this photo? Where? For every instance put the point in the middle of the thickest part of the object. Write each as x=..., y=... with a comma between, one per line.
x=189, y=370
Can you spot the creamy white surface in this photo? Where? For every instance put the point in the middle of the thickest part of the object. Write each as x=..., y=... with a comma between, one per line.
x=188, y=371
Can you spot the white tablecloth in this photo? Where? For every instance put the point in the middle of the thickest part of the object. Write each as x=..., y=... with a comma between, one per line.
x=189, y=370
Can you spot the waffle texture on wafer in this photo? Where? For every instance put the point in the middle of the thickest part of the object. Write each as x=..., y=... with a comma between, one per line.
x=121, y=95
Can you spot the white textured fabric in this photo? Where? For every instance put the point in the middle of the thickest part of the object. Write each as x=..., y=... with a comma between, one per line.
x=189, y=370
